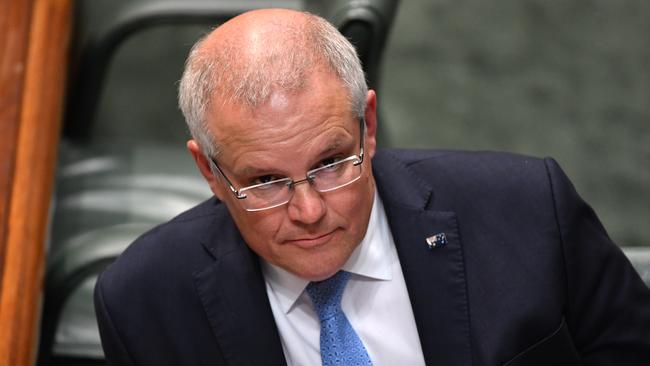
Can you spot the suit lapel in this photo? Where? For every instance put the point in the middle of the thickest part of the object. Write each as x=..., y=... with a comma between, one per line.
x=234, y=298
x=435, y=278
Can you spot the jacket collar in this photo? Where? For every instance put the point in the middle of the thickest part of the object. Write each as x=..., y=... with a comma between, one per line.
x=233, y=294
x=435, y=278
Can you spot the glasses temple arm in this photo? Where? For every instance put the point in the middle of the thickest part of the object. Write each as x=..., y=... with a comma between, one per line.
x=230, y=185
x=362, y=140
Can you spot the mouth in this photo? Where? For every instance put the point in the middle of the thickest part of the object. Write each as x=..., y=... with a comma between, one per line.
x=312, y=241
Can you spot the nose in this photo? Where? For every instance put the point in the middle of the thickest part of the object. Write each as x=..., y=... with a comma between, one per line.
x=306, y=205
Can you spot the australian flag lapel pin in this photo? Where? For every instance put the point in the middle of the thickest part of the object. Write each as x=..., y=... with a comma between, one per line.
x=437, y=241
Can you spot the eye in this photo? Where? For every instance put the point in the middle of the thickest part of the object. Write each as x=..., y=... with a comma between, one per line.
x=328, y=161
x=264, y=179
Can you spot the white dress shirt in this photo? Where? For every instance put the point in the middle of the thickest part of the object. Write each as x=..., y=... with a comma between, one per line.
x=375, y=302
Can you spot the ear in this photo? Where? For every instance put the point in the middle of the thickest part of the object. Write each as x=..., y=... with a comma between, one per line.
x=371, y=123
x=204, y=167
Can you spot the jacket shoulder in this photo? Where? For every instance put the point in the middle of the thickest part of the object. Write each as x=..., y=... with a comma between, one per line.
x=465, y=160
x=138, y=269
x=452, y=173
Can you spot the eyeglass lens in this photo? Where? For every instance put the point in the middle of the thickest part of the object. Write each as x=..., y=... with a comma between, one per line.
x=323, y=179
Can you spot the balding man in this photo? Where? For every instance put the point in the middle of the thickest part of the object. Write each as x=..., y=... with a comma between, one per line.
x=320, y=249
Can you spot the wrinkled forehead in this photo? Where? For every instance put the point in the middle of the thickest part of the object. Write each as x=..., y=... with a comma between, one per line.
x=316, y=97
x=288, y=121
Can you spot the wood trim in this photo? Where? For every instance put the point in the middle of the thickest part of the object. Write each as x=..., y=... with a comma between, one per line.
x=36, y=129
x=14, y=33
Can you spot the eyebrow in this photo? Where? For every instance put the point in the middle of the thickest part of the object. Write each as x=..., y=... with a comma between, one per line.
x=335, y=145
x=251, y=171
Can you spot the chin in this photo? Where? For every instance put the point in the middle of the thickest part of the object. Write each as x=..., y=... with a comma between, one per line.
x=321, y=269
x=318, y=263
x=322, y=275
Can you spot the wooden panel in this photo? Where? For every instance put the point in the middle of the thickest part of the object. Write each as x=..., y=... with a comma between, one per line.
x=36, y=127
x=14, y=31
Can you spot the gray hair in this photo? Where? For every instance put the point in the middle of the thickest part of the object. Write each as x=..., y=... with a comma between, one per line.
x=284, y=66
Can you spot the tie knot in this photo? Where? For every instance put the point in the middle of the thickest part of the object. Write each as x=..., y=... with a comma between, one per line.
x=326, y=295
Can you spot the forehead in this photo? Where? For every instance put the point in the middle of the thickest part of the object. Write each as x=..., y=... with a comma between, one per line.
x=287, y=123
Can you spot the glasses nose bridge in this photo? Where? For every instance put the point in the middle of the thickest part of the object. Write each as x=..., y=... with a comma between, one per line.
x=309, y=196
x=308, y=179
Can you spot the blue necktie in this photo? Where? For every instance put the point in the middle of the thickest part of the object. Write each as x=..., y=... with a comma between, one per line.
x=339, y=343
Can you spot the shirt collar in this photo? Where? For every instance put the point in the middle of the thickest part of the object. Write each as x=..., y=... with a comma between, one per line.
x=369, y=259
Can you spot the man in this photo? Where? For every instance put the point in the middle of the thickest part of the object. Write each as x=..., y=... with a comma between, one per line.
x=434, y=257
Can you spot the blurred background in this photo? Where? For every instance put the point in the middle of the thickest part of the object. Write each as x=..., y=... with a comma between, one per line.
x=567, y=79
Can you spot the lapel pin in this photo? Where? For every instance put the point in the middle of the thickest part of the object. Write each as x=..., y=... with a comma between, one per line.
x=437, y=241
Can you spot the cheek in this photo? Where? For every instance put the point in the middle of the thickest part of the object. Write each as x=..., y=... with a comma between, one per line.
x=258, y=228
x=354, y=205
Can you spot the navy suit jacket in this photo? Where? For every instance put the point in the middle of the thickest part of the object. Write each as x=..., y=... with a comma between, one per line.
x=528, y=275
